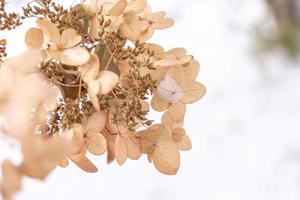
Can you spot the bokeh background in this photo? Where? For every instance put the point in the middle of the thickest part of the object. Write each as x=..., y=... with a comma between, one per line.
x=245, y=131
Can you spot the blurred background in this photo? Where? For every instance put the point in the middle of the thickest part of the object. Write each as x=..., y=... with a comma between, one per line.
x=245, y=132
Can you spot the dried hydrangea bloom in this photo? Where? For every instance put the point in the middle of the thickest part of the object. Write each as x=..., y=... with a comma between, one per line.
x=64, y=46
x=90, y=78
x=175, y=91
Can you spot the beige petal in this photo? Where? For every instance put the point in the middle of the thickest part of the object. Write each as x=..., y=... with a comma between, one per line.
x=75, y=56
x=83, y=162
x=192, y=92
x=49, y=29
x=131, y=28
x=147, y=34
x=135, y=6
x=185, y=144
x=177, y=74
x=108, y=80
x=11, y=179
x=90, y=70
x=34, y=38
x=153, y=17
x=133, y=146
x=168, y=62
x=176, y=52
x=120, y=150
x=96, y=122
x=192, y=70
x=22, y=64
x=95, y=143
x=166, y=158
x=163, y=23
x=155, y=48
x=64, y=163
x=118, y=8
x=75, y=136
x=158, y=104
x=177, y=134
x=69, y=38
x=167, y=120
x=177, y=112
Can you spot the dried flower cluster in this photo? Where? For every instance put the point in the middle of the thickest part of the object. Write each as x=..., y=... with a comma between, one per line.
x=88, y=87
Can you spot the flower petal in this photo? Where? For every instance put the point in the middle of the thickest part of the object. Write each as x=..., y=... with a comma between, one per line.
x=34, y=38
x=118, y=8
x=163, y=23
x=75, y=56
x=49, y=29
x=177, y=112
x=96, y=122
x=69, y=38
x=135, y=6
x=95, y=143
x=120, y=150
x=192, y=92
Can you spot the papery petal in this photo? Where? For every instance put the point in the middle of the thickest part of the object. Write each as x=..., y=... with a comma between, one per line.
x=118, y=8
x=192, y=91
x=34, y=38
x=131, y=28
x=96, y=122
x=95, y=143
x=135, y=6
x=177, y=112
x=108, y=80
x=69, y=38
x=158, y=104
x=163, y=23
x=49, y=29
x=120, y=150
x=75, y=56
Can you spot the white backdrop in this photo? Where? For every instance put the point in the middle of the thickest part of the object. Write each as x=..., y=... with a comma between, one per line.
x=245, y=132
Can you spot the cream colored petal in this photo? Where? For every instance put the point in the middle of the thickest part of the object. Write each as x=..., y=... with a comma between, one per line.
x=168, y=121
x=168, y=62
x=120, y=150
x=34, y=38
x=177, y=112
x=22, y=64
x=75, y=136
x=176, y=52
x=118, y=8
x=131, y=28
x=147, y=34
x=192, y=70
x=75, y=56
x=166, y=158
x=177, y=134
x=136, y=6
x=49, y=29
x=90, y=70
x=83, y=162
x=185, y=144
x=96, y=122
x=93, y=32
x=69, y=38
x=153, y=17
x=133, y=146
x=163, y=23
x=192, y=92
x=158, y=104
x=108, y=80
x=155, y=48
x=95, y=143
